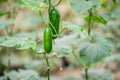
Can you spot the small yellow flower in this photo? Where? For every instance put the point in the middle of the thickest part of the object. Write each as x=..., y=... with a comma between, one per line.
x=102, y=1
x=42, y=5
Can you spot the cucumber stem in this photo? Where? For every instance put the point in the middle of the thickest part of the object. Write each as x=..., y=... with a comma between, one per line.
x=48, y=66
x=86, y=74
x=90, y=21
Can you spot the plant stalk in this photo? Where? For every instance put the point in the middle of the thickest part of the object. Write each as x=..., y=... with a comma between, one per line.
x=90, y=22
x=57, y=3
x=49, y=2
x=48, y=66
x=86, y=74
x=9, y=59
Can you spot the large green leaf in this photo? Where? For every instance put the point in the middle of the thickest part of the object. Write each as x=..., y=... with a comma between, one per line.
x=22, y=75
x=93, y=51
x=26, y=44
x=11, y=41
x=81, y=6
x=20, y=42
x=6, y=23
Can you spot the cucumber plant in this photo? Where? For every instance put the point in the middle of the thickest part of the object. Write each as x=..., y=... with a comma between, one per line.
x=92, y=49
x=51, y=30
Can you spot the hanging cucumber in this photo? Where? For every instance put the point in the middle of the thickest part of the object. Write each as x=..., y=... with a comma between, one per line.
x=48, y=39
x=54, y=17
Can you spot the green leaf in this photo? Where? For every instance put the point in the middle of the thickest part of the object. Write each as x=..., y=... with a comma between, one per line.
x=87, y=18
x=93, y=51
x=81, y=6
x=6, y=23
x=74, y=27
x=26, y=44
x=10, y=41
x=22, y=75
x=19, y=42
x=99, y=19
x=96, y=18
